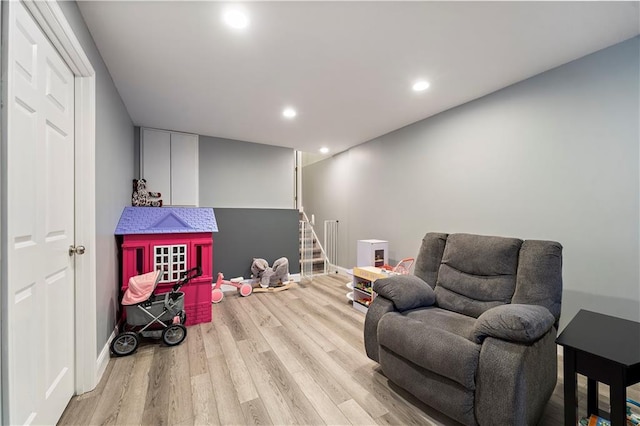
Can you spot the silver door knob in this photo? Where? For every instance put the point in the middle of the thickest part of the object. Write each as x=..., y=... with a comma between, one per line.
x=76, y=250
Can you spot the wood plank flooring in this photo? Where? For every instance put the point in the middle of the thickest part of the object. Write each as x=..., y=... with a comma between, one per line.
x=289, y=358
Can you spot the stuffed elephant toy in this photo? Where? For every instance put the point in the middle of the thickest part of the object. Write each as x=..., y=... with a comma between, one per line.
x=271, y=276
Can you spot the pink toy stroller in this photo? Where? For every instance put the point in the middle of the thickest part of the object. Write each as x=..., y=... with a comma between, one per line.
x=402, y=267
x=152, y=315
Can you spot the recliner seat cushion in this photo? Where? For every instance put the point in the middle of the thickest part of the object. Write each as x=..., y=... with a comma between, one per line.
x=477, y=273
x=431, y=348
x=453, y=322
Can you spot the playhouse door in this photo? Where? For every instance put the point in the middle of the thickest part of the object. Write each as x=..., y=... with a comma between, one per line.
x=38, y=363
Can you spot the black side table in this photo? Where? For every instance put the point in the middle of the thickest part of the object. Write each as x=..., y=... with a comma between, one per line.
x=605, y=349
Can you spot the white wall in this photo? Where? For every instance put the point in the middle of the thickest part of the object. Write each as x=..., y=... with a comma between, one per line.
x=245, y=175
x=553, y=157
x=114, y=174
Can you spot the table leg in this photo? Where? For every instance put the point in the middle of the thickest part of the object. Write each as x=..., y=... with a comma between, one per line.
x=570, y=382
x=618, y=398
x=592, y=396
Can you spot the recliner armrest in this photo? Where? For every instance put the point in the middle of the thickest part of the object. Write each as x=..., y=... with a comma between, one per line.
x=405, y=291
x=513, y=322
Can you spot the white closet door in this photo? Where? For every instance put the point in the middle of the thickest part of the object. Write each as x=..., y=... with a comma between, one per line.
x=156, y=162
x=38, y=347
x=184, y=169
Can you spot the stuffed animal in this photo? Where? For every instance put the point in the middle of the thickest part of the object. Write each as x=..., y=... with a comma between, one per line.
x=141, y=197
x=271, y=277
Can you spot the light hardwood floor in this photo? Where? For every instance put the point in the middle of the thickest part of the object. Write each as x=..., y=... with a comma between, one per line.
x=294, y=357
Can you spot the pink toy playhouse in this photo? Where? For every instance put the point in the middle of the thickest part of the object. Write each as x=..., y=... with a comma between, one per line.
x=173, y=240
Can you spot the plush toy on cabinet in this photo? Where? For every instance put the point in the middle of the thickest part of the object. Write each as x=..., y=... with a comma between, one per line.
x=141, y=197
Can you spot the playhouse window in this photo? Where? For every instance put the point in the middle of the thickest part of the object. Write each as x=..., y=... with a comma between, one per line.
x=139, y=261
x=172, y=260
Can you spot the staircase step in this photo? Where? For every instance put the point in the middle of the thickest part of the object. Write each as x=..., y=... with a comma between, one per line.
x=313, y=260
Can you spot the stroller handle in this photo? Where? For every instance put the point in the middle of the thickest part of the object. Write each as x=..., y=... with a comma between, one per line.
x=187, y=276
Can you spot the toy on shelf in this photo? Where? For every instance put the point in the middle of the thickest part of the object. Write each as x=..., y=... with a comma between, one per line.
x=633, y=419
x=244, y=288
x=141, y=197
x=594, y=420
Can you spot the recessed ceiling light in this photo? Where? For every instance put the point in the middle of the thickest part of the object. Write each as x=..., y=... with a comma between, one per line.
x=324, y=150
x=420, y=85
x=236, y=18
x=289, y=112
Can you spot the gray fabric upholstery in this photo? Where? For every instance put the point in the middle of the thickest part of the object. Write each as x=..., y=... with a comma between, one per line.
x=482, y=255
x=513, y=322
x=377, y=309
x=405, y=291
x=467, y=305
x=452, y=322
x=432, y=348
x=501, y=292
x=439, y=392
x=429, y=257
x=515, y=381
x=539, y=279
x=477, y=273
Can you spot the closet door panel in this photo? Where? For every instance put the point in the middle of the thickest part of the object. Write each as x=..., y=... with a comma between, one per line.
x=156, y=162
x=184, y=169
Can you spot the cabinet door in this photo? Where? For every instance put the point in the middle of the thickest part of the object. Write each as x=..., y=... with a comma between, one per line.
x=184, y=169
x=155, y=164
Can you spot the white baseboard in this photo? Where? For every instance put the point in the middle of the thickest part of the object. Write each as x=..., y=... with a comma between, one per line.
x=103, y=358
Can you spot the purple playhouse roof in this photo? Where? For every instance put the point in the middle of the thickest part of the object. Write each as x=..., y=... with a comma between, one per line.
x=166, y=220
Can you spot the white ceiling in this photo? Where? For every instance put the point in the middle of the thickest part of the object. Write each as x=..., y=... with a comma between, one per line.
x=347, y=67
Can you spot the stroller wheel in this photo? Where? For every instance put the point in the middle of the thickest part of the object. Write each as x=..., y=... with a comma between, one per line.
x=174, y=334
x=125, y=343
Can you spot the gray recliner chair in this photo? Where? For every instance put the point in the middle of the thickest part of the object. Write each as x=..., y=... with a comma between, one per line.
x=472, y=332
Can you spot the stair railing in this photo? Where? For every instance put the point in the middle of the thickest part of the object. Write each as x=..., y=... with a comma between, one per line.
x=306, y=249
x=330, y=244
x=307, y=237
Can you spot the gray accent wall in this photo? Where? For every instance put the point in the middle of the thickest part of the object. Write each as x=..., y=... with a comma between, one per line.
x=245, y=234
x=245, y=175
x=114, y=172
x=553, y=157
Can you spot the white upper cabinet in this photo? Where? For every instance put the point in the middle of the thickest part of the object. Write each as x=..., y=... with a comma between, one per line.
x=169, y=163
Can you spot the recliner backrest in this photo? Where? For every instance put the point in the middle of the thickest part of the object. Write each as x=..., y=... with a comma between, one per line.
x=429, y=257
x=477, y=273
x=539, y=279
x=473, y=273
